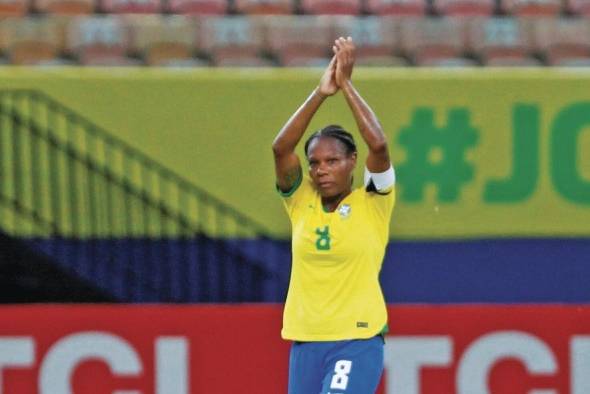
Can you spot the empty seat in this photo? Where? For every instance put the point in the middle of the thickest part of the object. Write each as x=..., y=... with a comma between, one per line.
x=32, y=41
x=331, y=7
x=563, y=41
x=376, y=39
x=397, y=7
x=197, y=7
x=65, y=7
x=464, y=7
x=434, y=41
x=233, y=40
x=524, y=61
x=575, y=62
x=164, y=40
x=236, y=61
x=131, y=6
x=531, y=7
x=580, y=7
x=13, y=7
x=100, y=41
x=500, y=40
x=300, y=40
x=264, y=6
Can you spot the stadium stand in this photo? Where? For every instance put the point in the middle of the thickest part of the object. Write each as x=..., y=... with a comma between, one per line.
x=434, y=41
x=300, y=40
x=397, y=7
x=99, y=41
x=131, y=6
x=65, y=7
x=578, y=7
x=464, y=7
x=376, y=38
x=234, y=41
x=13, y=8
x=295, y=33
x=532, y=7
x=501, y=41
x=164, y=41
x=332, y=7
x=33, y=41
x=563, y=42
x=266, y=7
x=197, y=7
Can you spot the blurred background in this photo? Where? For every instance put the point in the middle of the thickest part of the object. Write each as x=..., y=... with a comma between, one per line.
x=142, y=239
x=200, y=33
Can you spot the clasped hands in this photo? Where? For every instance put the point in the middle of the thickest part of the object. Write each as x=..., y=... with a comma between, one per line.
x=339, y=71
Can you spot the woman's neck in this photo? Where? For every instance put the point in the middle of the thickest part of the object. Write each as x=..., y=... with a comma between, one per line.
x=331, y=203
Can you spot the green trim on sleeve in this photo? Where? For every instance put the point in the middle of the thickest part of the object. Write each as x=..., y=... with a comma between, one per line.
x=293, y=188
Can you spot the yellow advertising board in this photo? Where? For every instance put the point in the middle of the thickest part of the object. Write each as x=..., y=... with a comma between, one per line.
x=478, y=153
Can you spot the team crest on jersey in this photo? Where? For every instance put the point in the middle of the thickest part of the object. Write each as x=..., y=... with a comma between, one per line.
x=344, y=211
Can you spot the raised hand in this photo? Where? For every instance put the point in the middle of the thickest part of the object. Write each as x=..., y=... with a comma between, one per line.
x=328, y=86
x=344, y=51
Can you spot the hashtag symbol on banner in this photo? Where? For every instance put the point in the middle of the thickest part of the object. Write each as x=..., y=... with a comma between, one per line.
x=422, y=141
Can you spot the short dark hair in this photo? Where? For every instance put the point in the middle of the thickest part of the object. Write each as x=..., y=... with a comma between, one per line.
x=334, y=131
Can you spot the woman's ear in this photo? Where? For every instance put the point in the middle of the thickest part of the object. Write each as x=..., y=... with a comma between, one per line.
x=353, y=157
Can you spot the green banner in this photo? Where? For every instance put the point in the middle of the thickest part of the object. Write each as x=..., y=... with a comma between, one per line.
x=478, y=153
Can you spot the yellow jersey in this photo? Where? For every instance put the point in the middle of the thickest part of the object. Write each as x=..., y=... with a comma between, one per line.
x=334, y=291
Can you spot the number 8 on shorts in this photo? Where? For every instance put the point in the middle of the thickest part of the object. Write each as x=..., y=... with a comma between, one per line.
x=341, y=371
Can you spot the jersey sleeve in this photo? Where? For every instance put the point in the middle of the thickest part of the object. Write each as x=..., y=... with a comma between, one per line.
x=381, y=204
x=380, y=189
x=296, y=197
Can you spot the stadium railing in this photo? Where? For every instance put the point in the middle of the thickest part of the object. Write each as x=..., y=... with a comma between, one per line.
x=113, y=215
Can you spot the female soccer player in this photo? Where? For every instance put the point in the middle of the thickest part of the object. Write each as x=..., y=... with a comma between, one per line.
x=335, y=312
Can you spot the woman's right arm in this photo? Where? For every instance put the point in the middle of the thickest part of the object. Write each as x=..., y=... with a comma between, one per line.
x=287, y=165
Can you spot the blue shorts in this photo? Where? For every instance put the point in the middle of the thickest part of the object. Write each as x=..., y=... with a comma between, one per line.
x=339, y=367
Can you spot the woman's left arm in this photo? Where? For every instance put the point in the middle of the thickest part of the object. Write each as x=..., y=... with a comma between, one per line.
x=378, y=160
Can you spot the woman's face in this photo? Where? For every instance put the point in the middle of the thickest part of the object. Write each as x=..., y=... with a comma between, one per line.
x=330, y=167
